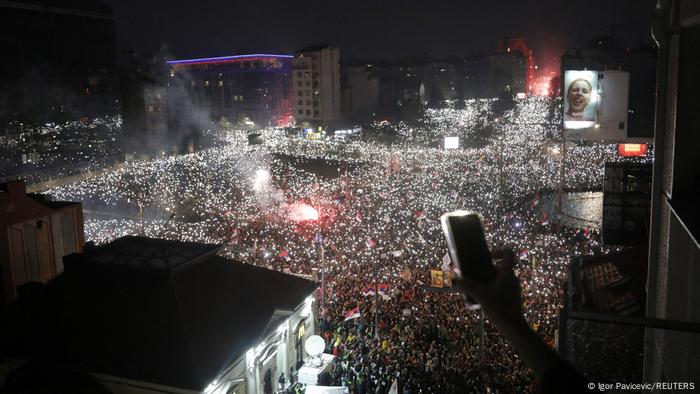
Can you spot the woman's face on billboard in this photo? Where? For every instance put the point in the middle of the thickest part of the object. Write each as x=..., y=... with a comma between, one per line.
x=579, y=95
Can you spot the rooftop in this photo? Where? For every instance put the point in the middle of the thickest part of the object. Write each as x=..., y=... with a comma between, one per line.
x=158, y=311
x=228, y=59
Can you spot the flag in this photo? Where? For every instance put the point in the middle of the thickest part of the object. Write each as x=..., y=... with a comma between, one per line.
x=318, y=237
x=370, y=243
x=447, y=278
x=368, y=291
x=524, y=254
x=383, y=287
x=284, y=254
x=394, y=389
x=358, y=217
x=353, y=313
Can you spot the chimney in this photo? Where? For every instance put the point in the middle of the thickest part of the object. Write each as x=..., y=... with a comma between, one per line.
x=15, y=190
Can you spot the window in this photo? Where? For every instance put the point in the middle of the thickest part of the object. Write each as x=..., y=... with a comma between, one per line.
x=307, y=83
x=301, y=112
x=301, y=102
x=315, y=112
x=308, y=112
x=151, y=108
x=308, y=102
x=300, y=93
x=299, y=83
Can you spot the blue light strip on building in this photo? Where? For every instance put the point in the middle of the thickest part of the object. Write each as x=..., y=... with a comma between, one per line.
x=228, y=58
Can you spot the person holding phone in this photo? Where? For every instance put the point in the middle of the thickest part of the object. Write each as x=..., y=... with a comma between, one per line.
x=497, y=290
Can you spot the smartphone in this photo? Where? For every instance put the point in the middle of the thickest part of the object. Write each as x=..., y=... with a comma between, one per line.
x=467, y=245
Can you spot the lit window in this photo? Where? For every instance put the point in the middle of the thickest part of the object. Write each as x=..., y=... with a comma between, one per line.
x=206, y=83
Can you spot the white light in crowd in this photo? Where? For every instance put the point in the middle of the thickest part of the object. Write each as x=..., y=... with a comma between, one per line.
x=451, y=142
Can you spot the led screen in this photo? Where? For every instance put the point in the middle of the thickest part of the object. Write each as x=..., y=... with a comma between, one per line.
x=451, y=142
x=580, y=99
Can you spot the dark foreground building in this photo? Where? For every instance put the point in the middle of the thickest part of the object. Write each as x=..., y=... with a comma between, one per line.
x=36, y=234
x=59, y=61
x=155, y=316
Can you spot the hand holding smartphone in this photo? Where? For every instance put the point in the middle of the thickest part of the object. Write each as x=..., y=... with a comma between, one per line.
x=467, y=246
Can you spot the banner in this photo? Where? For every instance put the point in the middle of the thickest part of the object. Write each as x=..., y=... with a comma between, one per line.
x=436, y=279
x=353, y=313
x=447, y=278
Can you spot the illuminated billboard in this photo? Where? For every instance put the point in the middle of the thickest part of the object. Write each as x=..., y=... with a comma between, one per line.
x=596, y=105
x=632, y=150
x=581, y=99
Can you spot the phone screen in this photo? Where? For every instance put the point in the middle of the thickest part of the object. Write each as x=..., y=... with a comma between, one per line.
x=467, y=246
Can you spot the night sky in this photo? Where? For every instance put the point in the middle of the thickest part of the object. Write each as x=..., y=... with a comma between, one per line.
x=373, y=28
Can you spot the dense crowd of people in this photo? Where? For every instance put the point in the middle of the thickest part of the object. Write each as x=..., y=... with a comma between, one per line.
x=361, y=214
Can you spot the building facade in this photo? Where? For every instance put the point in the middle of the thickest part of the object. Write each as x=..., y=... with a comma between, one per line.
x=360, y=93
x=36, y=234
x=674, y=251
x=59, y=61
x=243, y=88
x=316, y=86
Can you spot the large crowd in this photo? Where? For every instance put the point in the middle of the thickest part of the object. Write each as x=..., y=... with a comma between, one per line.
x=360, y=213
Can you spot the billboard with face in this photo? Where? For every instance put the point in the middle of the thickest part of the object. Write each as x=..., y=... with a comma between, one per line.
x=581, y=99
